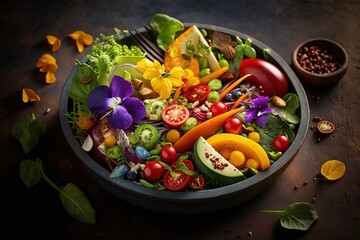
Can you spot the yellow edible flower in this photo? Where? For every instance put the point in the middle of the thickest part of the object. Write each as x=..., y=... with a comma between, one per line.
x=189, y=79
x=81, y=39
x=54, y=41
x=47, y=63
x=29, y=95
x=161, y=81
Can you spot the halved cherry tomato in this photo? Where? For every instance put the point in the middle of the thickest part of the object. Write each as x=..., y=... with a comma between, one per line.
x=233, y=125
x=153, y=171
x=196, y=181
x=178, y=180
x=281, y=142
x=175, y=115
x=197, y=92
x=168, y=154
x=265, y=75
x=218, y=108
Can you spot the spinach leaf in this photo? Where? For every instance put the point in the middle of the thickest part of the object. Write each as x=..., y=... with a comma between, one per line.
x=83, y=82
x=77, y=204
x=166, y=27
x=28, y=132
x=29, y=172
x=288, y=112
x=274, y=127
x=298, y=216
x=74, y=200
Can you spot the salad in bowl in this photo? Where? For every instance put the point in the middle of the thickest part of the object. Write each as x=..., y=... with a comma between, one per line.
x=219, y=110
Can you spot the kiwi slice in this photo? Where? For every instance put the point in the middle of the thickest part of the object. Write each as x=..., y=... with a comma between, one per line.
x=154, y=108
x=145, y=135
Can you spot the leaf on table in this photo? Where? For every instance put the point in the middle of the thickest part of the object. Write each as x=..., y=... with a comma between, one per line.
x=77, y=204
x=28, y=132
x=333, y=169
x=298, y=216
x=29, y=172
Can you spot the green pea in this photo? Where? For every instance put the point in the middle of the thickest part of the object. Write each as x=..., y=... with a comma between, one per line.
x=189, y=124
x=204, y=72
x=249, y=52
x=213, y=96
x=203, y=32
x=114, y=152
x=204, y=63
x=127, y=76
x=223, y=63
x=215, y=84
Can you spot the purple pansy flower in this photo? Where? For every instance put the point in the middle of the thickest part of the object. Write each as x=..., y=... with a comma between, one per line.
x=115, y=101
x=258, y=110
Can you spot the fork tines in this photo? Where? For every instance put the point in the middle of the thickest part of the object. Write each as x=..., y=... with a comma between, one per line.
x=153, y=52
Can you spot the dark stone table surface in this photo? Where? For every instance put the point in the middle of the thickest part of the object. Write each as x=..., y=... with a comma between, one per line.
x=38, y=213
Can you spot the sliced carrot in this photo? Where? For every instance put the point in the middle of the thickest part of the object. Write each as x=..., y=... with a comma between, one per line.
x=233, y=85
x=204, y=129
x=214, y=74
x=240, y=99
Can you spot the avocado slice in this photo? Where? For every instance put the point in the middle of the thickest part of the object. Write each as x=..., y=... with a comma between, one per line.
x=215, y=168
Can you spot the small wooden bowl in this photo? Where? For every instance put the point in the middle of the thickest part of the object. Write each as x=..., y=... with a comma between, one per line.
x=321, y=79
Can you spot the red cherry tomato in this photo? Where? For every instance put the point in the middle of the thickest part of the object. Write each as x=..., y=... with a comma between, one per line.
x=218, y=108
x=281, y=142
x=175, y=115
x=168, y=154
x=265, y=75
x=197, y=92
x=233, y=125
x=153, y=171
x=178, y=180
x=197, y=181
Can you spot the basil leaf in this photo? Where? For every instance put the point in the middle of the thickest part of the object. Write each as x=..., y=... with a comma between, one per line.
x=29, y=172
x=77, y=204
x=80, y=88
x=28, y=132
x=288, y=112
x=166, y=27
x=298, y=216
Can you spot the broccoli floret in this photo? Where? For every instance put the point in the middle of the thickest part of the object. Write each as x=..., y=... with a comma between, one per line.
x=106, y=53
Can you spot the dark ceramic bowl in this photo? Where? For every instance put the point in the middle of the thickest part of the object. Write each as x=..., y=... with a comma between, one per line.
x=321, y=79
x=204, y=200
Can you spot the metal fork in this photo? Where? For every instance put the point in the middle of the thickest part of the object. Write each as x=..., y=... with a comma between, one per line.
x=153, y=52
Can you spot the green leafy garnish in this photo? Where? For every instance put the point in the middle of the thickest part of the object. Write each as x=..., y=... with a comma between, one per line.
x=288, y=112
x=298, y=216
x=28, y=131
x=166, y=27
x=83, y=82
x=74, y=200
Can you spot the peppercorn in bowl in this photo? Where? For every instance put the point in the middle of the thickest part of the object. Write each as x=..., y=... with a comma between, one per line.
x=320, y=62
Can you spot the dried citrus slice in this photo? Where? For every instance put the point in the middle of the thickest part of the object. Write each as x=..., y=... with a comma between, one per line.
x=333, y=169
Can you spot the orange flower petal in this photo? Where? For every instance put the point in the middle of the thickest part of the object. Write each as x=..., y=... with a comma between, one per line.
x=45, y=59
x=54, y=41
x=29, y=95
x=86, y=39
x=81, y=39
x=80, y=46
x=50, y=77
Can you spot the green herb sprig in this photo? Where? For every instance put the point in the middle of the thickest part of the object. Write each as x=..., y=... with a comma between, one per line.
x=298, y=216
x=74, y=200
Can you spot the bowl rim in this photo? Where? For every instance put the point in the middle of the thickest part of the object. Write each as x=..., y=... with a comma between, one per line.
x=194, y=196
x=318, y=75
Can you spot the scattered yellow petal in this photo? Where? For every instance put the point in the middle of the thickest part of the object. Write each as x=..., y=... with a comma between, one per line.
x=44, y=60
x=29, y=95
x=47, y=63
x=54, y=41
x=50, y=77
x=81, y=39
x=333, y=169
